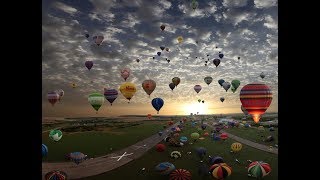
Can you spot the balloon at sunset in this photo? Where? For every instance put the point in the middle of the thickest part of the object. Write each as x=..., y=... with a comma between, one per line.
x=96, y=100
x=149, y=86
x=98, y=40
x=110, y=95
x=176, y=81
x=88, y=64
x=125, y=73
x=216, y=62
x=60, y=92
x=53, y=97
x=149, y=116
x=256, y=98
x=180, y=39
x=172, y=86
x=162, y=27
x=197, y=88
x=208, y=80
x=128, y=90
x=157, y=104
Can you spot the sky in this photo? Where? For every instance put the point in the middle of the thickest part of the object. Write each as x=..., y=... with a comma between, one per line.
x=131, y=28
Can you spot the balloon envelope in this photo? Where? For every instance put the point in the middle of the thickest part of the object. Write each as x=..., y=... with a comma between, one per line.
x=226, y=86
x=56, y=175
x=157, y=104
x=176, y=81
x=259, y=169
x=216, y=62
x=208, y=80
x=128, y=90
x=172, y=86
x=149, y=86
x=53, y=97
x=96, y=100
x=180, y=174
x=110, y=95
x=89, y=64
x=221, y=81
x=125, y=73
x=180, y=39
x=98, y=40
x=55, y=135
x=162, y=27
x=235, y=83
x=197, y=88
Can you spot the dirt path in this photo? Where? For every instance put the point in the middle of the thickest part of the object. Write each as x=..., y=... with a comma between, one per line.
x=105, y=163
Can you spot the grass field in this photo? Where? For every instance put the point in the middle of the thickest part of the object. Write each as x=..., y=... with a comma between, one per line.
x=97, y=143
x=254, y=134
x=191, y=162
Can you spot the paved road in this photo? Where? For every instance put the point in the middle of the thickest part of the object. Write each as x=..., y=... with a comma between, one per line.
x=250, y=143
x=105, y=163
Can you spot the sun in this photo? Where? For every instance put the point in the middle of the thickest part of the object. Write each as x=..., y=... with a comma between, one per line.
x=201, y=108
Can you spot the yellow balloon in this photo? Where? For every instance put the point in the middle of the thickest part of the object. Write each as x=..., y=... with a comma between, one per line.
x=128, y=90
x=73, y=85
x=180, y=39
x=236, y=147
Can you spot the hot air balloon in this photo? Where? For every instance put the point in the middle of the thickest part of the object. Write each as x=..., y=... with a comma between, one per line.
x=98, y=40
x=128, y=90
x=138, y=60
x=125, y=73
x=55, y=135
x=56, y=175
x=183, y=139
x=238, y=58
x=162, y=27
x=195, y=136
x=197, y=88
x=149, y=86
x=235, y=83
x=202, y=101
x=53, y=97
x=194, y=4
x=96, y=100
x=176, y=81
x=215, y=160
x=203, y=126
x=199, y=100
x=159, y=53
x=87, y=35
x=110, y=95
x=167, y=49
x=180, y=39
x=256, y=98
x=216, y=62
x=223, y=136
x=162, y=48
x=89, y=64
x=149, y=116
x=180, y=174
x=236, y=147
x=160, y=147
x=175, y=154
x=172, y=86
x=160, y=133
x=220, y=171
x=73, y=85
x=233, y=89
x=77, y=157
x=262, y=75
x=220, y=55
x=221, y=81
x=165, y=168
x=60, y=92
x=201, y=152
x=258, y=169
x=222, y=99
x=244, y=110
x=226, y=86
x=44, y=150
x=208, y=80
x=168, y=60
x=157, y=104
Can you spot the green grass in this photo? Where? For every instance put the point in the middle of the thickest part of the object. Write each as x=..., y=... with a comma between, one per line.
x=97, y=143
x=132, y=170
x=254, y=134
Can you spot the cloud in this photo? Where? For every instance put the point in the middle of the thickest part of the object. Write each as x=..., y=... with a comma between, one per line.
x=265, y=3
x=65, y=8
x=234, y=3
x=270, y=23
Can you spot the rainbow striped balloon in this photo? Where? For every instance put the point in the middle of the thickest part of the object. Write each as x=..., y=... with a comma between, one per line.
x=220, y=171
x=256, y=98
x=56, y=175
x=180, y=174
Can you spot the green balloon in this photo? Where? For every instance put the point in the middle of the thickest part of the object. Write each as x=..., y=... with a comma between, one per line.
x=96, y=100
x=235, y=83
x=233, y=89
x=55, y=135
x=195, y=135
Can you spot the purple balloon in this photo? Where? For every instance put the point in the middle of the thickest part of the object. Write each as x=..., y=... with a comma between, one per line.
x=88, y=64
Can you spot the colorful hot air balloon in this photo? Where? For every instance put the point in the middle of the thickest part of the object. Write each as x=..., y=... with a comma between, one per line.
x=216, y=62
x=223, y=136
x=157, y=104
x=128, y=90
x=220, y=55
x=236, y=147
x=180, y=174
x=244, y=110
x=208, y=80
x=262, y=75
x=55, y=135
x=258, y=169
x=96, y=100
x=222, y=99
x=256, y=98
x=77, y=157
x=180, y=39
x=162, y=27
x=226, y=86
x=221, y=81
x=110, y=95
x=235, y=83
x=183, y=139
x=197, y=88
x=56, y=175
x=60, y=92
x=195, y=136
x=165, y=168
x=172, y=86
x=98, y=40
x=53, y=97
x=149, y=86
x=44, y=150
x=125, y=73
x=176, y=81
x=220, y=171
x=89, y=64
